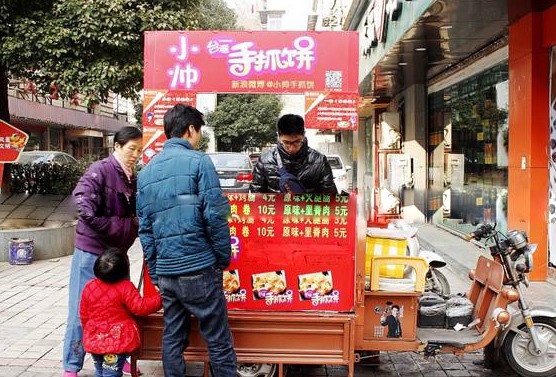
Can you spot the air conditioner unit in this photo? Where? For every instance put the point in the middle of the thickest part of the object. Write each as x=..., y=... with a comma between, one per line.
x=454, y=166
x=390, y=136
x=399, y=172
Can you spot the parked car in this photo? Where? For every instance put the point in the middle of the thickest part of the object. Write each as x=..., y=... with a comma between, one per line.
x=46, y=157
x=340, y=172
x=235, y=171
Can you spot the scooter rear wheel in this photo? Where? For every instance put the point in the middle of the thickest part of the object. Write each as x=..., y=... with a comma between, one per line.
x=443, y=286
x=519, y=350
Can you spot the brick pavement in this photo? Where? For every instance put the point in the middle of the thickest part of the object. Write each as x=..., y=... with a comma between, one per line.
x=33, y=309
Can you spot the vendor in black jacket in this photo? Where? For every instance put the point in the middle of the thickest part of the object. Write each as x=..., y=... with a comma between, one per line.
x=292, y=166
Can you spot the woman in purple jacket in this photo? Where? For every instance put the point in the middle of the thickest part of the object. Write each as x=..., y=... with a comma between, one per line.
x=105, y=197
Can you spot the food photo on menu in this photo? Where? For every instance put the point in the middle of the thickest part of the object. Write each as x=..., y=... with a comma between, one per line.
x=315, y=283
x=268, y=283
x=231, y=281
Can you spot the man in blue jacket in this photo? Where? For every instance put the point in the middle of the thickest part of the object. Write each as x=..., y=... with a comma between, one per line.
x=185, y=235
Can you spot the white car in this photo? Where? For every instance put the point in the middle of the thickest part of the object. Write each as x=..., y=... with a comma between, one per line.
x=46, y=157
x=340, y=172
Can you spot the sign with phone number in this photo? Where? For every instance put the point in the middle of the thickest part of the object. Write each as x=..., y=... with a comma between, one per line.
x=291, y=252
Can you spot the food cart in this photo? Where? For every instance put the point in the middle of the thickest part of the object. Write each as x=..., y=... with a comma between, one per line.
x=301, y=287
x=298, y=291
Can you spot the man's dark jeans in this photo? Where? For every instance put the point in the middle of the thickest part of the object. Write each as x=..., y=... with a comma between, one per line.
x=202, y=296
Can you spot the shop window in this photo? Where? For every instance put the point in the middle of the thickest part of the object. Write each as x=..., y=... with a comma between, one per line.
x=468, y=151
x=55, y=139
x=36, y=141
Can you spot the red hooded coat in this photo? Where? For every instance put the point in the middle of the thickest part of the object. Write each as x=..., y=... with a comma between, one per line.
x=106, y=313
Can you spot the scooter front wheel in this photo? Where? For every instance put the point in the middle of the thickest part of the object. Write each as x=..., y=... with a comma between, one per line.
x=520, y=353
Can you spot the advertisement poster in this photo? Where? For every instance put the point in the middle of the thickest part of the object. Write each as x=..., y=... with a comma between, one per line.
x=155, y=105
x=291, y=252
x=12, y=142
x=331, y=111
x=247, y=61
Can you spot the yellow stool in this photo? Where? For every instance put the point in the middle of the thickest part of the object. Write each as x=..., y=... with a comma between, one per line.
x=419, y=265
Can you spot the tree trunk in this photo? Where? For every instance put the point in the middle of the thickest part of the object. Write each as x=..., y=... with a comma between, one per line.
x=4, y=108
x=5, y=175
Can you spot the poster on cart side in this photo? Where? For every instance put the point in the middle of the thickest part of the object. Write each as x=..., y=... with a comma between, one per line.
x=155, y=105
x=291, y=252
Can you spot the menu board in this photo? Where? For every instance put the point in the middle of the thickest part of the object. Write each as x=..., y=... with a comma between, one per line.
x=291, y=252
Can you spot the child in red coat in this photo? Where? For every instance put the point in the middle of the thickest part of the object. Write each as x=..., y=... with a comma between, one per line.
x=108, y=304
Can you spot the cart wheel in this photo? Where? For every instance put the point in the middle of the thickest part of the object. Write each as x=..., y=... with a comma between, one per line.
x=442, y=288
x=258, y=370
x=519, y=350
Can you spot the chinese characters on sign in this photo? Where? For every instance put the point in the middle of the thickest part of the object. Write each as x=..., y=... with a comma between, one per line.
x=243, y=59
x=381, y=11
x=237, y=61
x=333, y=110
x=291, y=252
x=155, y=105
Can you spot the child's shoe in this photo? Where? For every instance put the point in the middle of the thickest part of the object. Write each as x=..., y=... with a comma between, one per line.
x=127, y=368
x=69, y=374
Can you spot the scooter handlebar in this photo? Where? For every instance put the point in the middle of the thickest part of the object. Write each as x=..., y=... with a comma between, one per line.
x=480, y=232
x=469, y=236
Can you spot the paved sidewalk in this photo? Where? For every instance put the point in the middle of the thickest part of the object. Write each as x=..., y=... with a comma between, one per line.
x=33, y=309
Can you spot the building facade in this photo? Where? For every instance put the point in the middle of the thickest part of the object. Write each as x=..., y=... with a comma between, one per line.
x=66, y=125
x=455, y=98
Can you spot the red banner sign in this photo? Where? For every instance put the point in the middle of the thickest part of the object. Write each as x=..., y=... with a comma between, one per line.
x=246, y=61
x=291, y=252
x=332, y=110
x=12, y=142
x=155, y=105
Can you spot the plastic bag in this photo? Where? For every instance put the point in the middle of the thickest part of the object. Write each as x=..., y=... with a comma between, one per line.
x=458, y=301
x=459, y=311
x=434, y=310
x=430, y=299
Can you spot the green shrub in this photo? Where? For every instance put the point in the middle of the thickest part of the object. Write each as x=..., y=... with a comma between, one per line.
x=47, y=178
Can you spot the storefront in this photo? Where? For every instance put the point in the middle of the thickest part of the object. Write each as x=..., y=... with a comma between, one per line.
x=468, y=142
x=460, y=124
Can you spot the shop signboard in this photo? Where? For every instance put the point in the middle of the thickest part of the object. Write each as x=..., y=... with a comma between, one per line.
x=291, y=252
x=155, y=105
x=12, y=142
x=331, y=110
x=380, y=12
x=247, y=61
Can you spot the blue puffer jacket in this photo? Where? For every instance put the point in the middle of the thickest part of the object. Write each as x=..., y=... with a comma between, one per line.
x=182, y=212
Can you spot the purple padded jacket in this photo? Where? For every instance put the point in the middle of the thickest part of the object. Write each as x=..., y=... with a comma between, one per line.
x=105, y=200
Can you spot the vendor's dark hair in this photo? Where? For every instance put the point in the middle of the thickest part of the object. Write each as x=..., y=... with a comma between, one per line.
x=112, y=266
x=396, y=307
x=178, y=119
x=126, y=134
x=291, y=124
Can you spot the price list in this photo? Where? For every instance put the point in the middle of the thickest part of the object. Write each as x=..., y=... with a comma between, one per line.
x=291, y=252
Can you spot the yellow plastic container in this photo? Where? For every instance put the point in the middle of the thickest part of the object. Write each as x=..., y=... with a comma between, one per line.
x=377, y=246
x=419, y=265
